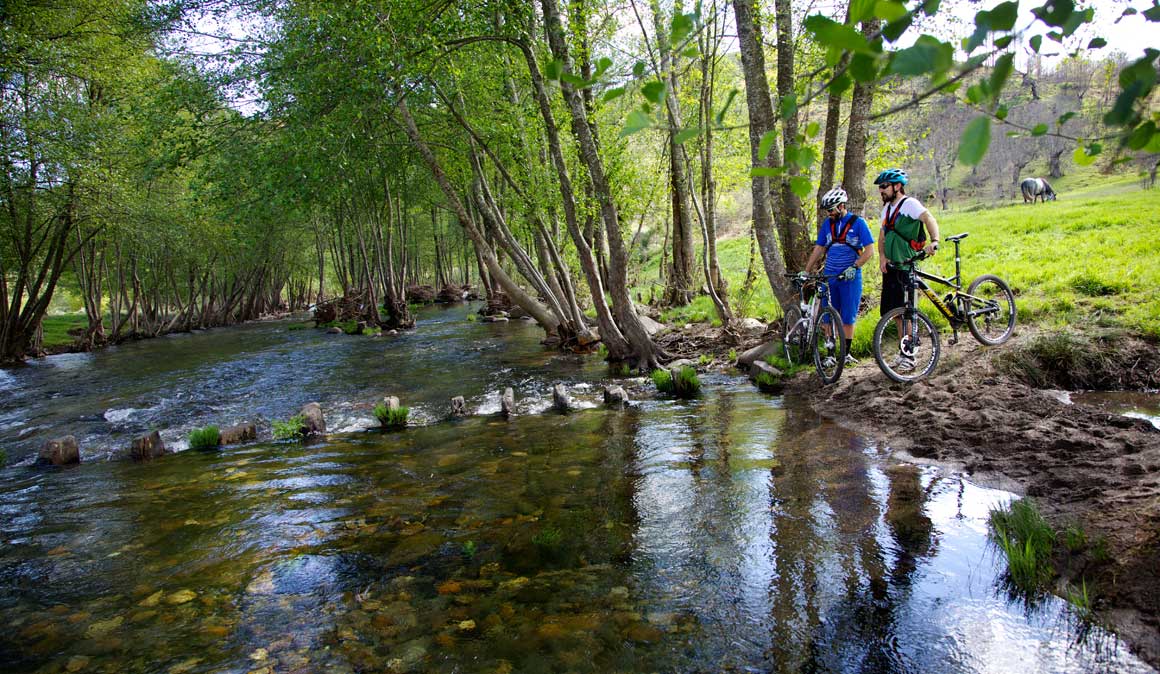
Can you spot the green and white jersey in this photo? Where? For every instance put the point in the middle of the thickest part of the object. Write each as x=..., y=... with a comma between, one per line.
x=907, y=227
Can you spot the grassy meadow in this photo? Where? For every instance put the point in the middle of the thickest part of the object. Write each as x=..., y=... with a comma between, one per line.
x=1090, y=259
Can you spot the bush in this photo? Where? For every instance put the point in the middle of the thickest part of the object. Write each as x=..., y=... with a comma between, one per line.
x=391, y=418
x=205, y=438
x=289, y=429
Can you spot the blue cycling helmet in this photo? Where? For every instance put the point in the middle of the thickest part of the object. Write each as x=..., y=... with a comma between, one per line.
x=891, y=175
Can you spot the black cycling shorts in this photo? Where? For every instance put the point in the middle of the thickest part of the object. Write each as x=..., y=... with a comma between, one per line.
x=893, y=290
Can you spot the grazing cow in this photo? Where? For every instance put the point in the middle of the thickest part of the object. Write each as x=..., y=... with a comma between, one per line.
x=1036, y=188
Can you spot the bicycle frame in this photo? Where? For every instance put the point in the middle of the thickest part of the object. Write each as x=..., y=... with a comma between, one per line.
x=956, y=318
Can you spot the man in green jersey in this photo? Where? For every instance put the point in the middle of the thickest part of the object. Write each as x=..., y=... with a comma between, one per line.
x=906, y=225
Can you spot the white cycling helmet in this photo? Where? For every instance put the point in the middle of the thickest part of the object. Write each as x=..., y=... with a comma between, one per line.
x=833, y=198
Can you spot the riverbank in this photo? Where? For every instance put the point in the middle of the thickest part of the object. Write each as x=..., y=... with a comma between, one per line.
x=984, y=413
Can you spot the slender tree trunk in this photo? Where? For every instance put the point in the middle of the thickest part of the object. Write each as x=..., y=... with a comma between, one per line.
x=795, y=239
x=857, y=135
x=761, y=120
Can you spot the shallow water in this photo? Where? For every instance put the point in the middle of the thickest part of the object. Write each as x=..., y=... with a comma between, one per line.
x=737, y=532
x=1136, y=404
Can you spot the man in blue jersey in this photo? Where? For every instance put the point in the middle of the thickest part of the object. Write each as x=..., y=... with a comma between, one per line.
x=845, y=240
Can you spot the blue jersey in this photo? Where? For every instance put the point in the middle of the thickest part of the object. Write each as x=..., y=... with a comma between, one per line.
x=839, y=256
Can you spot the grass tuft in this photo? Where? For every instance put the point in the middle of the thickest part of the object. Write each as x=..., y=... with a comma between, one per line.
x=1091, y=286
x=289, y=429
x=205, y=438
x=663, y=380
x=391, y=418
x=1026, y=540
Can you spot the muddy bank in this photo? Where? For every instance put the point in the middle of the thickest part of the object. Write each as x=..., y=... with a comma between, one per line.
x=982, y=413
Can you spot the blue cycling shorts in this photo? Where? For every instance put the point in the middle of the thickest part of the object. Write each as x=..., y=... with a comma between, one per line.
x=845, y=296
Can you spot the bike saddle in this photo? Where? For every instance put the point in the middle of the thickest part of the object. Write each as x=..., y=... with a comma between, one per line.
x=957, y=237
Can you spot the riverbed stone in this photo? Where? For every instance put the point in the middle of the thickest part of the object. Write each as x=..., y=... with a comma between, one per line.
x=773, y=380
x=232, y=435
x=335, y=330
x=313, y=423
x=458, y=406
x=650, y=326
x=751, y=326
x=507, y=403
x=615, y=396
x=758, y=352
x=148, y=447
x=60, y=452
x=561, y=401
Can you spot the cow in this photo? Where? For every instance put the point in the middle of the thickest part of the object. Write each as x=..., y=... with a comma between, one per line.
x=1036, y=188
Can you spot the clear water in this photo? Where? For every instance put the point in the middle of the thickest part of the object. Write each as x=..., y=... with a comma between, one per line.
x=738, y=532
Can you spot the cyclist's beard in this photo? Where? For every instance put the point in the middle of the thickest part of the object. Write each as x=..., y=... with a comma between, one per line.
x=888, y=199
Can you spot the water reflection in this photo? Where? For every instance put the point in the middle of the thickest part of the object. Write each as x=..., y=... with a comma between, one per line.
x=737, y=532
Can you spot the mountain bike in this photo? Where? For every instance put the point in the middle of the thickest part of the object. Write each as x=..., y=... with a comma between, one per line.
x=987, y=308
x=814, y=331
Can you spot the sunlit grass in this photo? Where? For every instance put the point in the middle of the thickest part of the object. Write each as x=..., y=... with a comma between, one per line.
x=1092, y=258
x=205, y=438
x=1026, y=541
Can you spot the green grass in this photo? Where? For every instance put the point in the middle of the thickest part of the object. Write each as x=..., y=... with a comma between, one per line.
x=1092, y=258
x=56, y=328
x=663, y=380
x=290, y=429
x=1026, y=540
x=391, y=418
x=205, y=438
x=684, y=385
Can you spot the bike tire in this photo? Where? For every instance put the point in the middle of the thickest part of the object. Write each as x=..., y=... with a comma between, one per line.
x=794, y=340
x=998, y=324
x=887, y=340
x=829, y=353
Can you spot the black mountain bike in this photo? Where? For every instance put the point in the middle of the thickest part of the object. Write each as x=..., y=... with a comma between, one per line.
x=987, y=308
x=814, y=331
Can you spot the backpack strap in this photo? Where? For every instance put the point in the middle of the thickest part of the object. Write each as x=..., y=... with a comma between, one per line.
x=840, y=237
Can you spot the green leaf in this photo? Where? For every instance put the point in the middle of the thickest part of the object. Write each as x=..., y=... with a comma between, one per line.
x=1036, y=41
x=1141, y=135
x=687, y=134
x=691, y=52
x=612, y=94
x=1054, y=12
x=1002, y=42
x=638, y=69
x=602, y=65
x=766, y=144
x=895, y=29
x=864, y=67
x=1097, y=43
x=806, y=157
x=975, y=140
x=890, y=10
x=1039, y=130
x=1082, y=157
x=930, y=7
x=860, y=9
x=636, y=121
x=724, y=108
x=1153, y=146
x=575, y=80
x=1001, y=112
x=788, y=106
x=1064, y=117
x=1003, y=15
x=654, y=91
x=553, y=70
x=682, y=26
x=1152, y=13
x=812, y=129
x=801, y=186
x=915, y=60
x=833, y=34
x=977, y=93
x=1000, y=73
x=840, y=84
x=765, y=172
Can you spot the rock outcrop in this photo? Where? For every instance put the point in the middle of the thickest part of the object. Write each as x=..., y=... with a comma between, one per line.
x=148, y=447
x=313, y=423
x=233, y=435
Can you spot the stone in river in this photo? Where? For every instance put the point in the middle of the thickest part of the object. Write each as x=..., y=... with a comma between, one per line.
x=148, y=447
x=313, y=423
x=60, y=452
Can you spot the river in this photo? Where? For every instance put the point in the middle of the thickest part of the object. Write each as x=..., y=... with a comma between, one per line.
x=735, y=532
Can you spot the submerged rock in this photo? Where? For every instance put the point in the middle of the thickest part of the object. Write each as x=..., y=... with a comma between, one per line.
x=232, y=435
x=458, y=407
x=560, y=399
x=313, y=423
x=148, y=447
x=767, y=377
x=615, y=396
x=507, y=403
x=758, y=352
x=60, y=452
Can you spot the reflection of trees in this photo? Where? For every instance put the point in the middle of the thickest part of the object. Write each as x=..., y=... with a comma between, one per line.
x=824, y=467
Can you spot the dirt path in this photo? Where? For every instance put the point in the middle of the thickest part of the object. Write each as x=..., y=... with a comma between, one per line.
x=1081, y=465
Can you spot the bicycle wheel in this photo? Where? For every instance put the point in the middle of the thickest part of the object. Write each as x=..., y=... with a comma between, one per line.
x=829, y=350
x=794, y=340
x=990, y=310
x=922, y=339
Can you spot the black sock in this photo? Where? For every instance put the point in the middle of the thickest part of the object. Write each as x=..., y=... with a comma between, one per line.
x=847, y=342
